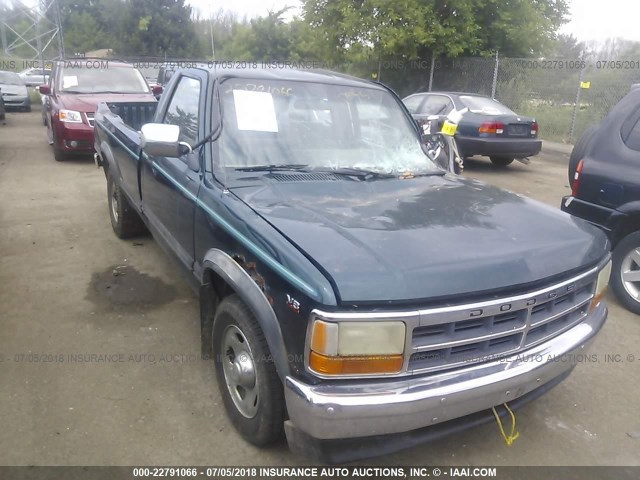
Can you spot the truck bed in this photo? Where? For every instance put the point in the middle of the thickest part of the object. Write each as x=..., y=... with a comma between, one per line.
x=123, y=120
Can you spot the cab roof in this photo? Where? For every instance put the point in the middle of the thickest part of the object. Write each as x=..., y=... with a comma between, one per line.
x=281, y=71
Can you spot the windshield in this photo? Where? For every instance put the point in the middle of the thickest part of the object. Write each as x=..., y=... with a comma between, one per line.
x=319, y=126
x=102, y=80
x=10, y=78
x=484, y=105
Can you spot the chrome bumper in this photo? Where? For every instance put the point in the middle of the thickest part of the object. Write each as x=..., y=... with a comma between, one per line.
x=349, y=409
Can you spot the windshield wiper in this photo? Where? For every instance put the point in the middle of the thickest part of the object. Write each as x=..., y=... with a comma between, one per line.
x=272, y=168
x=361, y=173
x=116, y=92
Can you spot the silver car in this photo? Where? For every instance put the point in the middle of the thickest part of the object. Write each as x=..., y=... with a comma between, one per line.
x=35, y=76
x=14, y=92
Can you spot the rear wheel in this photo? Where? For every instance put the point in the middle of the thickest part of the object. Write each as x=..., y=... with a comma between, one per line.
x=124, y=220
x=625, y=272
x=579, y=149
x=501, y=161
x=249, y=384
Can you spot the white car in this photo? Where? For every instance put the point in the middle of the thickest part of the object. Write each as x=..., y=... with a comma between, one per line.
x=35, y=76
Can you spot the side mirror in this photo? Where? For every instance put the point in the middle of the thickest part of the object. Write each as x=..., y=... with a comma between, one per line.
x=44, y=90
x=163, y=140
x=157, y=90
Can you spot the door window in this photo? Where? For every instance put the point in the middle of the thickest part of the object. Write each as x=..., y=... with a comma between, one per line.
x=183, y=109
x=412, y=103
x=436, y=105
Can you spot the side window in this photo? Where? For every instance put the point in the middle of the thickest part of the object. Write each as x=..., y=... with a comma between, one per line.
x=630, y=130
x=412, y=103
x=436, y=105
x=183, y=109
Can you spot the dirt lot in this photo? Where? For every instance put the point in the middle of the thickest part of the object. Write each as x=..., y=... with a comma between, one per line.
x=99, y=341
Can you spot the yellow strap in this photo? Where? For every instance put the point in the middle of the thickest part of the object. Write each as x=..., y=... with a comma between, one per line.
x=514, y=435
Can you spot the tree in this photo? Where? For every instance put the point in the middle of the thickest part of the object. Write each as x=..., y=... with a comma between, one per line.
x=416, y=28
x=159, y=27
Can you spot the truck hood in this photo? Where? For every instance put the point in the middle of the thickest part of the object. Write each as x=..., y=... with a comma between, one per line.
x=423, y=238
x=82, y=102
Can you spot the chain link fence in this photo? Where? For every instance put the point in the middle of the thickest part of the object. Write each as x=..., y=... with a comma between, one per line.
x=565, y=95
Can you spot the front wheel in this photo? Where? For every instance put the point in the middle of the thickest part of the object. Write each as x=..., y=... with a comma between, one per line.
x=249, y=384
x=124, y=220
x=625, y=272
x=501, y=161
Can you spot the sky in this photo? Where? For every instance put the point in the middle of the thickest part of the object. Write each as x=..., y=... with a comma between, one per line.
x=590, y=19
x=600, y=19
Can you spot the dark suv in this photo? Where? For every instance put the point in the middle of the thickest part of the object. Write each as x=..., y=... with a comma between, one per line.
x=604, y=173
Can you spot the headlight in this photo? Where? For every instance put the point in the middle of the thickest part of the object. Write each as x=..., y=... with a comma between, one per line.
x=356, y=347
x=601, y=285
x=69, y=116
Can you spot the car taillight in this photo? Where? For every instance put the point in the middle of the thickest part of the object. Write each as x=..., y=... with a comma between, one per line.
x=491, y=127
x=534, y=128
x=576, y=179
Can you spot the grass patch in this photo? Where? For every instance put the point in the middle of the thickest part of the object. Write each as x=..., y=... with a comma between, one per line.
x=555, y=121
x=35, y=97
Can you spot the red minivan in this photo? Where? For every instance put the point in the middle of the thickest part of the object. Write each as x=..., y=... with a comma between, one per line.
x=72, y=95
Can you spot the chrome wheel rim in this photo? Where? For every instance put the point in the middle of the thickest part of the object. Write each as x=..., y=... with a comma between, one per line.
x=630, y=273
x=239, y=371
x=114, y=206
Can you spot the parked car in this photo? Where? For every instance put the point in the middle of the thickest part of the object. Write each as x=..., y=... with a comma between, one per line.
x=605, y=190
x=14, y=92
x=73, y=93
x=2, y=110
x=488, y=128
x=35, y=76
x=353, y=295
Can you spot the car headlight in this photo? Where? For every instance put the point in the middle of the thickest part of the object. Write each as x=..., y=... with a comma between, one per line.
x=356, y=347
x=601, y=285
x=69, y=116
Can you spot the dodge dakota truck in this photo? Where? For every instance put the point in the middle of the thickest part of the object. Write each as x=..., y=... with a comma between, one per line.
x=353, y=296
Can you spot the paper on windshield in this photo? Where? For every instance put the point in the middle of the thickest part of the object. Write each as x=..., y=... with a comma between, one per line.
x=69, y=81
x=255, y=111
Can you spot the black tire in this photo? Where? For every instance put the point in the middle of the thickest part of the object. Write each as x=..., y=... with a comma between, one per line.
x=624, y=248
x=579, y=149
x=27, y=108
x=58, y=154
x=267, y=423
x=125, y=221
x=501, y=161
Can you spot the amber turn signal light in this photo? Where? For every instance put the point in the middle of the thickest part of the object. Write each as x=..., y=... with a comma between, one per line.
x=355, y=365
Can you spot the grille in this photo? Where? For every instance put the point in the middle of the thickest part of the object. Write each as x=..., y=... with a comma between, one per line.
x=455, y=336
x=90, y=118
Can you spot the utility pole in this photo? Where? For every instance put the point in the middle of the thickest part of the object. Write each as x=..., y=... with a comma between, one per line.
x=213, y=47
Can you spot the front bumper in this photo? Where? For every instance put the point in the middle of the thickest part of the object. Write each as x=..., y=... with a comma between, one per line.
x=510, y=147
x=74, y=137
x=338, y=410
x=14, y=101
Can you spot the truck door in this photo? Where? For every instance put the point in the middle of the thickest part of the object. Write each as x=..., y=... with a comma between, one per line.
x=170, y=185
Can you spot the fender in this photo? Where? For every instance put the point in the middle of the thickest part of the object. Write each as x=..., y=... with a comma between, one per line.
x=232, y=273
x=108, y=160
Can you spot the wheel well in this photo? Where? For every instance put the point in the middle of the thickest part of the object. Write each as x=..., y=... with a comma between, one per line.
x=212, y=291
x=628, y=225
